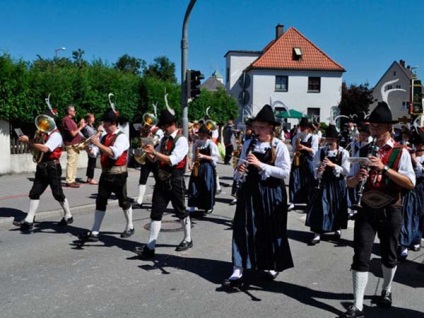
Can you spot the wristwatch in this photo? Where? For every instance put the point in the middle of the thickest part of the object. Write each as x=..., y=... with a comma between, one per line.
x=386, y=168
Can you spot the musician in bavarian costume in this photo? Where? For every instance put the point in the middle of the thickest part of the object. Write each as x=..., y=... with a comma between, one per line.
x=48, y=173
x=156, y=134
x=305, y=145
x=260, y=223
x=202, y=184
x=113, y=147
x=328, y=209
x=171, y=153
x=413, y=201
x=390, y=172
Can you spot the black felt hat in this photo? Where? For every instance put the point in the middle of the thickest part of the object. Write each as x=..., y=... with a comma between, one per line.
x=203, y=130
x=304, y=122
x=266, y=114
x=166, y=117
x=110, y=116
x=382, y=114
x=331, y=132
x=364, y=128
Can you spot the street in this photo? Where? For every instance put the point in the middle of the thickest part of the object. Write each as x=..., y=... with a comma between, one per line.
x=43, y=274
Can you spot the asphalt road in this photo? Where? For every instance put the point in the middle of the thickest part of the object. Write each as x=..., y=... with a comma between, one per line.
x=43, y=274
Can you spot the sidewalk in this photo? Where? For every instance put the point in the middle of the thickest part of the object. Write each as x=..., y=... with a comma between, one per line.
x=14, y=190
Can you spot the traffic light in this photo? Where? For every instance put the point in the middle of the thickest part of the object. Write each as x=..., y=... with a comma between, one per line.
x=193, y=83
x=417, y=98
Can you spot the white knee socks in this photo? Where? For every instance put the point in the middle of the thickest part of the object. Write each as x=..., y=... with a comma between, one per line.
x=66, y=211
x=128, y=216
x=154, y=233
x=186, y=223
x=388, y=275
x=141, y=191
x=237, y=273
x=33, y=206
x=98, y=219
x=360, y=280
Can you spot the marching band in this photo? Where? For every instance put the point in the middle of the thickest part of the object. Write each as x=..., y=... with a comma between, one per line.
x=372, y=179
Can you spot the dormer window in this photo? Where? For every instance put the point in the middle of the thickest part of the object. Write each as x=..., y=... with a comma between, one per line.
x=297, y=53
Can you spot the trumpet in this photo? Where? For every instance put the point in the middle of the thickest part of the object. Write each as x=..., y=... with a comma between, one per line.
x=85, y=142
x=372, y=151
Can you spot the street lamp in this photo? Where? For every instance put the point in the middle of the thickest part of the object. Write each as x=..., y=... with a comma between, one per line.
x=59, y=49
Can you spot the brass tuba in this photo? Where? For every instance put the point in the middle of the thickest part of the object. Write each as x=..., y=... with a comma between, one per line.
x=139, y=154
x=149, y=119
x=44, y=124
x=210, y=124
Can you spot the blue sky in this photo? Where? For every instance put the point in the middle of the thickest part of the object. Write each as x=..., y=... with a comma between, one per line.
x=364, y=36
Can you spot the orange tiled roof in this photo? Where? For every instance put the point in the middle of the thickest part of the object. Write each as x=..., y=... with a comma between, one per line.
x=278, y=54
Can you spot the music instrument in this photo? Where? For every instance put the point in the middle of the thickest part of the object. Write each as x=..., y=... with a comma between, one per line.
x=297, y=153
x=196, y=163
x=44, y=124
x=149, y=120
x=85, y=142
x=249, y=151
x=372, y=151
x=321, y=165
x=237, y=151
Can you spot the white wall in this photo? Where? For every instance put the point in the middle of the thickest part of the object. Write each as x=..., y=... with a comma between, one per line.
x=4, y=147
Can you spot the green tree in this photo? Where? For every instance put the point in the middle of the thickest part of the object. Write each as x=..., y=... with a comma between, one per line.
x=130, y=64
x=222, y=106
x=355, y=100
x=162, y=69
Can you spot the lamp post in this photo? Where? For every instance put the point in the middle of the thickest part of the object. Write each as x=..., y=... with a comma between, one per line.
x=58, y=49
x=184, y=64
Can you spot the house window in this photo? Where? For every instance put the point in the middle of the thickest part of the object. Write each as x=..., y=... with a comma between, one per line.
x=398, y=86
x=227, y=74
x=297, y=53
x=281, y=83
x=314, y=84
x=388, y=87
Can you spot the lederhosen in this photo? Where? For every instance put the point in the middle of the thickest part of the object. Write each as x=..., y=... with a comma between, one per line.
x=381, y=214
x=48, y=172
x=114, y=176
x=170, y=185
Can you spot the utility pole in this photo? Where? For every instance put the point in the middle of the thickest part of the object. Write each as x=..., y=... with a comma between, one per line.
x=184, y=66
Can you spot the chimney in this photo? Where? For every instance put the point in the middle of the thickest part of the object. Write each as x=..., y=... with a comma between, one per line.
x=402, y=63
x=279, y=31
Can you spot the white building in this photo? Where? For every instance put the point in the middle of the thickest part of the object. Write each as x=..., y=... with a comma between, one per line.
x=290, y=72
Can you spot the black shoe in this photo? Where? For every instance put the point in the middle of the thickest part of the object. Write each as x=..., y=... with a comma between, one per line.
x=89, y=237
x=208, y=211
x=18, y=223
x=271, y=276
x=232, y=283
x=26, y=226
x=65, y=222
x=127, y=233
x=314, y=241
x=337, y=235
x=184, y=246
x=352, y=312
x=385, y=300
x=234, y=202
x=416, y=248
x=144, y=252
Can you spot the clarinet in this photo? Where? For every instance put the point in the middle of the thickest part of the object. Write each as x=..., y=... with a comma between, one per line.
x=320, y=174
x=249, y=150
x=372, y=151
